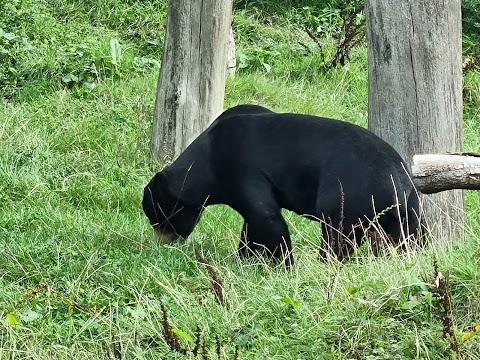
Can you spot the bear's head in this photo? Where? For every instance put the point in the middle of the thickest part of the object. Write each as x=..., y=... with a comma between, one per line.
x=168, y=209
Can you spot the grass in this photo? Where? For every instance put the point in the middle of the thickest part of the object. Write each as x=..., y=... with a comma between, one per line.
x=81, y=275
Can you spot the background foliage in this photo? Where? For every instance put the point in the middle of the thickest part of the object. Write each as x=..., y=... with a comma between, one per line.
x=80, y=275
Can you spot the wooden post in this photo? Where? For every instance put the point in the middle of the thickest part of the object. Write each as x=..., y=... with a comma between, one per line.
x=415, y=90
x=191, y=84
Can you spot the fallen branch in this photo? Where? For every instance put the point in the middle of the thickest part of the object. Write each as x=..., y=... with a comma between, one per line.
x=433, y=173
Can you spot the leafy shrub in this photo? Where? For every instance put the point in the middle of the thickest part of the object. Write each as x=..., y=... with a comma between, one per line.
x=12, y=47
x=86, y=62
x=471, y=19
x=256, y=58
x=46, y=42
x=471, y=31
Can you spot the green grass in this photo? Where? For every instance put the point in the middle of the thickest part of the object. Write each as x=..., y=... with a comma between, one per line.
x=79, y=269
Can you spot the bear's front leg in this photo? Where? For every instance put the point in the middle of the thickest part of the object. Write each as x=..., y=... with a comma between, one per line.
x=266, y=233
x=248, y=248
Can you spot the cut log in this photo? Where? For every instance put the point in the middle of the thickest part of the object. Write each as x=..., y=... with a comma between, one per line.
x=433, y=173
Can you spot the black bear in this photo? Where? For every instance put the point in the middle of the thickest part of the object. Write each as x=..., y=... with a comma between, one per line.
x=258, y=162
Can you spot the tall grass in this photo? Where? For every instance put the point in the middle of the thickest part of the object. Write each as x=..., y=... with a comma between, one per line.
x=82, y=277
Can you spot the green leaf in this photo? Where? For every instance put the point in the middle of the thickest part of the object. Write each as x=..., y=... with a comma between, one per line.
x=244, y=61
x=90, y=85
x=368, y=303
x=267, y=67
x=115, y=51
x=30, y=315
x=13, y=319
x=153, y=42
x=182, y=334
x=352, y=290
x=410, y=304
x=144, y=61
x=137, y=313
x=70, y=78
x=10, y=36
x=288, y=300
x=108, y=59
x=414, y=281
x=245, y=337
x=3, y=51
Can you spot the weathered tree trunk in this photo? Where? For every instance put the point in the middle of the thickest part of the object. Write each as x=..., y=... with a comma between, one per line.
x=415, y=90
x=191, y=84
x=433, y=173
x=231, y=55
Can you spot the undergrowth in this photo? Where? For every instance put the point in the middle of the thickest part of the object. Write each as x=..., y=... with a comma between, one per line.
x=80, y=274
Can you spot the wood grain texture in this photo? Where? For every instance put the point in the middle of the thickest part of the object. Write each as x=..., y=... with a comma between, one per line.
x=434, y=173
x=191, y=85
x=415, y=90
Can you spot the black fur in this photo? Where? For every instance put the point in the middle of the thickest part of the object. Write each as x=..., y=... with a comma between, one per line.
x=258, y=162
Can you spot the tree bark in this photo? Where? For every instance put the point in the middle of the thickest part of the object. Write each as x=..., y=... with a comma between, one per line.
x=434, y=173
x=415, y=90
x=231, y=55
x=191, y=85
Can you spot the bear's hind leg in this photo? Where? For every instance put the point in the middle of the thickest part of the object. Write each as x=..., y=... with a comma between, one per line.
x=339, y=241
x=403, y=233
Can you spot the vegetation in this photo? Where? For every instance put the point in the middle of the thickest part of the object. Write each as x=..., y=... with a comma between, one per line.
x=81, y=275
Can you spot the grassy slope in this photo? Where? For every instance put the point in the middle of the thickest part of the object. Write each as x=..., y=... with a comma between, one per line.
x=78, y=265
